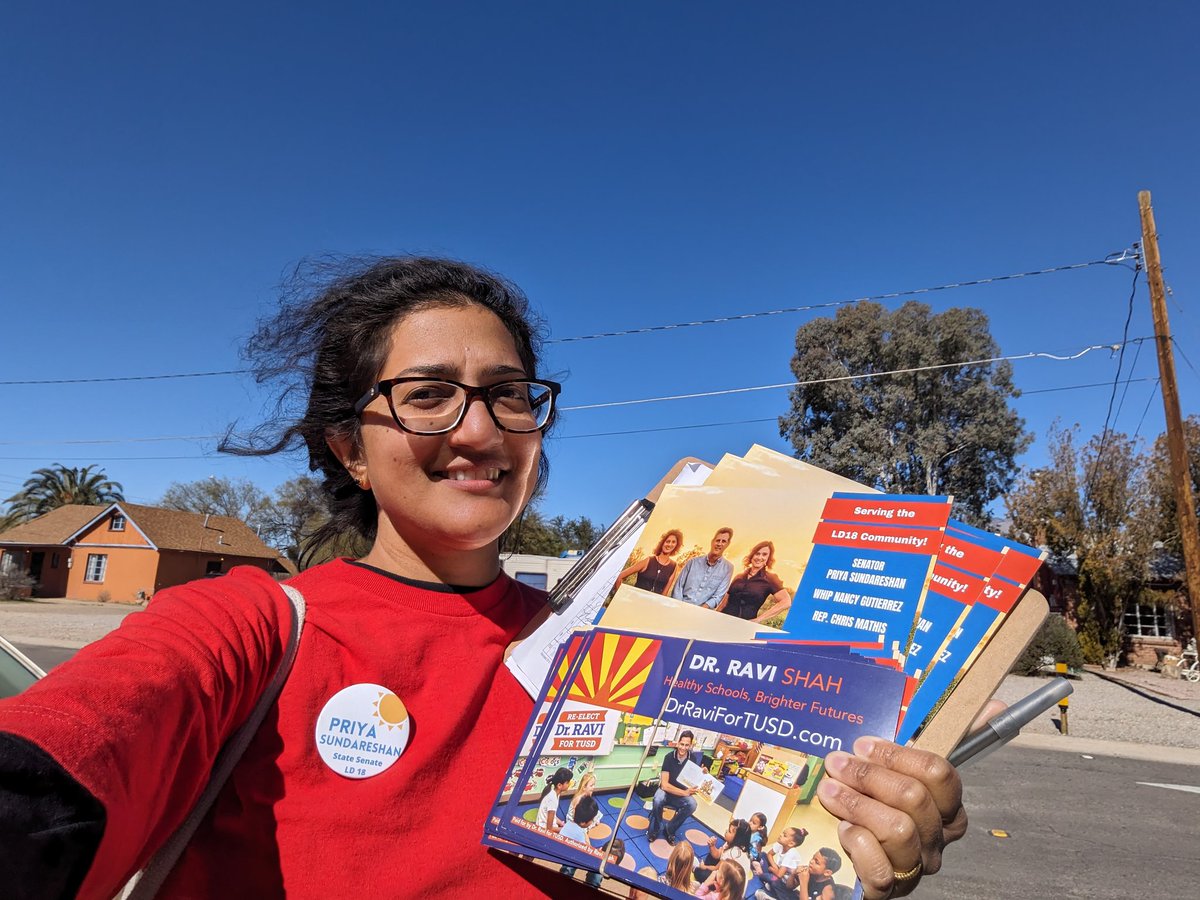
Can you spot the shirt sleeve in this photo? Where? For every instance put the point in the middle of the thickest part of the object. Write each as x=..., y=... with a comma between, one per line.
x=50, y=825
x=136, y=719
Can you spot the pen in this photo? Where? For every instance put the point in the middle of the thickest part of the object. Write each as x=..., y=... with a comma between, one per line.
x=1003, y=727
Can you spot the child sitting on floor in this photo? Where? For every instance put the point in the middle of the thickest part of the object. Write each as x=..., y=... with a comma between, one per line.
x=587, y=810
x=679, y=868
x=727, y=882
x=782, y=857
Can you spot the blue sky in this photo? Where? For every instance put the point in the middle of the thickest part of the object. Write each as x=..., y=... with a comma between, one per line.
x=628, y=165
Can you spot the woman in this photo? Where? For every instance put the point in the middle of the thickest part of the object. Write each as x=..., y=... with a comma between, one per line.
x=654, y=573
x=101, y=761
x=757, y=583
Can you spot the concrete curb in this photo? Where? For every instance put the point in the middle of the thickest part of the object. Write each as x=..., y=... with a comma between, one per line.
x=1184, y=756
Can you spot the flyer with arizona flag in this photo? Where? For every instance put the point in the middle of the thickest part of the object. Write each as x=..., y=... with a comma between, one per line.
x=637, y=701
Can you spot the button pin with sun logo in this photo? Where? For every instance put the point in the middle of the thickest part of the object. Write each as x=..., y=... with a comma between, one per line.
x=362, y=730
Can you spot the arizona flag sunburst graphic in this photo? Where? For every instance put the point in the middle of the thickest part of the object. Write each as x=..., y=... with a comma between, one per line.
x=614, y=671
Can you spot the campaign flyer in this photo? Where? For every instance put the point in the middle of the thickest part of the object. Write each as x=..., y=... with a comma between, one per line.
x=867, y=575
x=775, y=713
x=638, y=700
x=1017, y=565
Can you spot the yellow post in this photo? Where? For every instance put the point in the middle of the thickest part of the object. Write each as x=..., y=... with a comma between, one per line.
x=1061, y=669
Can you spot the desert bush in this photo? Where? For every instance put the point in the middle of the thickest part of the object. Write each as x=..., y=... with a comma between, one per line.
x=15, y=585
x=1054, y=639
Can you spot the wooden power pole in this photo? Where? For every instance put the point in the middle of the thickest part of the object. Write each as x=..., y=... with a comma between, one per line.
x=1185, y=504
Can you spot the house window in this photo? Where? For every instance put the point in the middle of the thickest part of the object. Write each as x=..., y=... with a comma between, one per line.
x=212, y=567
x=116, y=523
x=1148, y=621
x=96, y=565
x=533, y=579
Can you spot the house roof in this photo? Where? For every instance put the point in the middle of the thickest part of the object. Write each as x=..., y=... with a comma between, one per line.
x=166, y=529
x=175, y=529
x=53, y=527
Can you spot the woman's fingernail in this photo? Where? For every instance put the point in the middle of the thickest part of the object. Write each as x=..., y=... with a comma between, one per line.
x=827, y=789
x=865, y=746
x=837, y=761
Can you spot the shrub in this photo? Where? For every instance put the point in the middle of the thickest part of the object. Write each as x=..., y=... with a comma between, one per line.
x=104, y=597
x=1054, y=639
x=15, y=585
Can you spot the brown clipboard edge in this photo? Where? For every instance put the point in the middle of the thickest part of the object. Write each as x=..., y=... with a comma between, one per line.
x=654, y=493
x=973, y=691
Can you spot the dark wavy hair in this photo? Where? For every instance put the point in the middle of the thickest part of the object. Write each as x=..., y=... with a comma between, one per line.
x=324, y=347
x=666, y=534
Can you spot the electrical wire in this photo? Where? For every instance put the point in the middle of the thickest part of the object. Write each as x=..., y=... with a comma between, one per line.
x=1116, y=258
x=858, y=377
x=556, y=437
x=1108, y=415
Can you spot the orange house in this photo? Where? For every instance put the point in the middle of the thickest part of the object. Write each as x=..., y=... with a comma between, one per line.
x=125, y=552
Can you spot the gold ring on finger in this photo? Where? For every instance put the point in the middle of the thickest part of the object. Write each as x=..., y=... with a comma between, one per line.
x=912, y=874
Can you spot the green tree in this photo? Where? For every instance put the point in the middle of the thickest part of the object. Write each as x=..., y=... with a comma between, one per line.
x=58, y=485
x=1092, y=505
x=535, y=534
x=945, y=430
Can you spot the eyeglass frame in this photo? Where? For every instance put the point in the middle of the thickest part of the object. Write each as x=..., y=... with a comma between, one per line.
x=384, y=389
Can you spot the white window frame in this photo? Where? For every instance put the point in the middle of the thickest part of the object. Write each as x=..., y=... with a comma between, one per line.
x=97, y=567
x=1146, y=621
x=116, y=523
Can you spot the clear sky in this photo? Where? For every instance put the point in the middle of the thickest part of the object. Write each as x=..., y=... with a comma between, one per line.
x=628, y=165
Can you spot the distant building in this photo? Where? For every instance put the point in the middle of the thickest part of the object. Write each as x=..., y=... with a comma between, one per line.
x=126, y=552
x=538, y=571
x=1150, y=630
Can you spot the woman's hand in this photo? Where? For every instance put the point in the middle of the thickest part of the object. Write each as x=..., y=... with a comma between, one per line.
x=899, y=808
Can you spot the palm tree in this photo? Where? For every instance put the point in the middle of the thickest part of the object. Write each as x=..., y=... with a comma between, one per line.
x=56, y=486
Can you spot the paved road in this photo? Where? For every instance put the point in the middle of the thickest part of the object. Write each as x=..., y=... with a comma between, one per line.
x=47, y=657
x=1079, y=828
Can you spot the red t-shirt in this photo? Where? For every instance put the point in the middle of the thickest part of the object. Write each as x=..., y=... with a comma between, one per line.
x=138, y=717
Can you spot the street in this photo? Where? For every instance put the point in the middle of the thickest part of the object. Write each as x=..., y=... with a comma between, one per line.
x=1077, y=828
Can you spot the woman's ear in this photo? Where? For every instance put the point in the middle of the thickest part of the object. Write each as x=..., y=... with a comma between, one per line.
x=349, y=453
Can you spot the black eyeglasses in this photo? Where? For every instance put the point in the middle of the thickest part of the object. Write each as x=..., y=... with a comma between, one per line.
x=424, y=406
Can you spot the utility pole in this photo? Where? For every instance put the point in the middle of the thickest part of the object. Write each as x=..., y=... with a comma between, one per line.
x=1185, y=504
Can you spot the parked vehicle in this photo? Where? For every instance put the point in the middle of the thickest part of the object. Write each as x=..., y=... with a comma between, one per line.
x=17, y=671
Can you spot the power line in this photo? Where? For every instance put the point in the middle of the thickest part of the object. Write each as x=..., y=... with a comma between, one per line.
x=1116, y=258
x=1149, y=400
x=583, y=407
x=1104, y=433
x=858, y=377
x=126, y=378
x=1179, y=349
x=568, y=437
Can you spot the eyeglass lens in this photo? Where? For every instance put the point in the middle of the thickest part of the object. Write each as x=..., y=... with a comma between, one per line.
x=432, y=406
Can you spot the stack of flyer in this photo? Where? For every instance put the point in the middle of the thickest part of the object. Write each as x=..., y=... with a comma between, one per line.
x=746, y=628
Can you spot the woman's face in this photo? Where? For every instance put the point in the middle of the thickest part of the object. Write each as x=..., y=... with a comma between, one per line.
x=760, y=557
x=670, y=544
x=448, y=493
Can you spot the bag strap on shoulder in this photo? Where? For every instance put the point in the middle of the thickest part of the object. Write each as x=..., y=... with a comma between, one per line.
x=146, y=883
